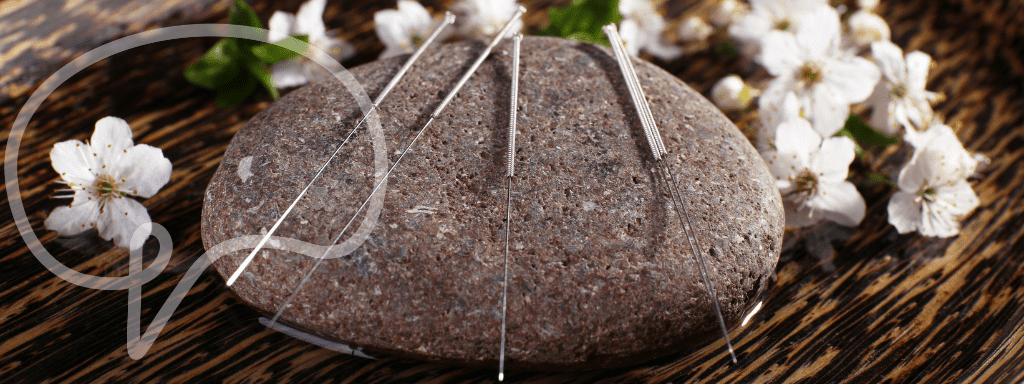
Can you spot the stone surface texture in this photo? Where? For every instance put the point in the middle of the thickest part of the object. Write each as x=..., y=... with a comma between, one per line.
x=600, y=272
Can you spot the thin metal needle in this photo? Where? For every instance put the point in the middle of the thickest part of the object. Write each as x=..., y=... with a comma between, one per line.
x=653, y=136
x=449, y=19
x=437, y=112
x=511, y=163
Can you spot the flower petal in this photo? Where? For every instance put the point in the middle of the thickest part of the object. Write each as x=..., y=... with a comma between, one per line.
x=111, y=138
x=782, y=167
x=773, y=114
x=889, y=57
x=391, y=29
x=484, y=18
x=831, y=163
x=780, y=54
x=853, y=77
x=917, y=70
x=149, y=172
x=120, y=217
x=919, y=103
x=632, y=36
x=288, y=73
x=309, y=20
x=338, y=49
x=910, y=113
x=945, y=158
x=829, y=110
x=958, y=199
x=694, y=29
x=661, y=49
x=819, y=31
x=866, y=27
x=918, y=139
x=70, y=221
x=775, y=94
x=752, y=27
x=881, y=117
x=280, y=26
x=937, y=223
x=839, y=203
x=904, y=212
x=69, y=159
x=796, y=137
x=628, y=7
x=416, y=16
x=397, y=28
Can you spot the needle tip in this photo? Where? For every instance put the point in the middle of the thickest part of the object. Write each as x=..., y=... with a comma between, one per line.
x=733, y=354
x=449, y=18
x=501, y=377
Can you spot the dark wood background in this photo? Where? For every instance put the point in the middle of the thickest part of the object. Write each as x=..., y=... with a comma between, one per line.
x=888, y=308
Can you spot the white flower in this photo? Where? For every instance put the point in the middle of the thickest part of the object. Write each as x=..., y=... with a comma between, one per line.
x=900, y=98
x=866, y=28
x=694, y=28
x=485, y=18
x=641, y=29
x=731, y=93
x=101, y=174
x=403, y=30
x=810, y=64
x=811, y=176
x=308, y=21
x=727, y=12
x=773, y=114
x=934, y=194
x=771, y=15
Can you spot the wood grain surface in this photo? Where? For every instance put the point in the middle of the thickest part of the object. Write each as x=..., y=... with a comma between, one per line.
x=888, y=308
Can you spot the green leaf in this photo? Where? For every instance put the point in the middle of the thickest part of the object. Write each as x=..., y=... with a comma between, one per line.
x=862, y=133
x=582, y=20
x=242, y=14
x=881, y=179
x=262, y=75
x=727, y=48
x=235, y=91
x=281, y=50
x=217, y=67
x=234, y=67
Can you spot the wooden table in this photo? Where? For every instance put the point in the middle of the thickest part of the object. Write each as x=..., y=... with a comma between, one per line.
x=890, y=308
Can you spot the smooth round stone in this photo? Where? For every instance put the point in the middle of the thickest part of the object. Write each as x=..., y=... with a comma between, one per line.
x=600, y=273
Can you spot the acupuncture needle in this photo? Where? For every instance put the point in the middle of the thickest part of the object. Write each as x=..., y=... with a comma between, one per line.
x=510, y=159
x=437, y=112
x=449, y=19
x=653, y=136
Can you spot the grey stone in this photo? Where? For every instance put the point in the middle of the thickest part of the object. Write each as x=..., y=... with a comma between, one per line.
x=600, y=274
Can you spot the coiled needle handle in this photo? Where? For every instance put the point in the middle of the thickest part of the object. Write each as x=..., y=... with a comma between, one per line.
x=510, y=159
x=653, y=136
